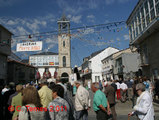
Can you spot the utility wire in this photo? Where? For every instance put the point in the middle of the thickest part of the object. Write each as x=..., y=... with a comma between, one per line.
x=73, y=29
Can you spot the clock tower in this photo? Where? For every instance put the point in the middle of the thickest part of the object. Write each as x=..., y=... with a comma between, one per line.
x=64, y=46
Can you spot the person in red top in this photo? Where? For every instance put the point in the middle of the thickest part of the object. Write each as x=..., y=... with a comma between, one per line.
x=46, y=74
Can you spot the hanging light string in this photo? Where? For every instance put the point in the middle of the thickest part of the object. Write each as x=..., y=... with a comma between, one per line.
x=55, y=32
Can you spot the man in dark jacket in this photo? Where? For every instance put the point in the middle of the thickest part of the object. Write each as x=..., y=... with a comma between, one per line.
x=110, y=93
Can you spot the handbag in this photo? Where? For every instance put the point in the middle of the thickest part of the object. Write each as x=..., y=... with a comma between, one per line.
x=29, y=117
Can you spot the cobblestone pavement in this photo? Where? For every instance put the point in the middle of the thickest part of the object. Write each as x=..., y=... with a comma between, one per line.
x=122, y=110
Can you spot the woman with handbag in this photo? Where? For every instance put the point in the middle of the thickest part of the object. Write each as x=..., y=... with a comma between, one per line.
x=144, y=106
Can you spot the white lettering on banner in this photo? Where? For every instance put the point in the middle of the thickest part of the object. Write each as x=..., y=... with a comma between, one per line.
x=29, y=46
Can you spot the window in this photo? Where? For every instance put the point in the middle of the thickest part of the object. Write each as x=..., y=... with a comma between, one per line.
x=97, y=78
x=147, y=12
x=156, y=1
x=146, y=7
x=133, y=29
x=155, y=73
x=142, y=17
x=45, y=63
x=151, y=4
x=64, y=61
x=144, y=54
x=157, y=9
x=152, y=12
x=139, y=22
x=130, y=31
x=147, y=19
x=136, y=26
x=63, y=43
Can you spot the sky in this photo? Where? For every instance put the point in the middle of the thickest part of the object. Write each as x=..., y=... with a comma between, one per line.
x=25, y=17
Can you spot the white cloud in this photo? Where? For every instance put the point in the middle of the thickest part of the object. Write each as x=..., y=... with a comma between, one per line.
x=76, y=19
x=88, y=31
x=4, y=3
x=26, y=26
x=92, y=4
x=126, y=37
x=100, y=43
x=68, y=8
x=22, y=30
x=123, y=1
x=91, y=18
x=118, y=39
x=106, y=21
x=108, y=2
x=11, y=22
x=53, y=40
x=51, y=46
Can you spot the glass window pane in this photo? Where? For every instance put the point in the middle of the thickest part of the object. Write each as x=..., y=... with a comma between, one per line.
x=64, y=61
x=146, y=7
x=157, y=9
x=147, y=19
x=152, y=14
x=151, y=4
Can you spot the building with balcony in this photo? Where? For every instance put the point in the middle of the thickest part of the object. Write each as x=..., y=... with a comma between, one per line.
x=143, y=25
x=5, y=51
x=107, y=68
x=46, y=61
x=125, y=64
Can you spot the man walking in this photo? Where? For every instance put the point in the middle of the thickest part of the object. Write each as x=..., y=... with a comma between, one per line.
x=100, y=103
x=123, y=88
x=45, y=93
x=82, y=102
x=118, y=90
x=110, y=93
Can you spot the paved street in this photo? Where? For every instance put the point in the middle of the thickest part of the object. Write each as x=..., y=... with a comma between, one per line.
x=122, y=110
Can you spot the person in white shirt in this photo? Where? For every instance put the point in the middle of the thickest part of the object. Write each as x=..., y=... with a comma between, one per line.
x=82, y=102
x=59, y=82
x=123, y=90
x=89, y=84
x=5, y=89
x=144, y=106
x=118, y=90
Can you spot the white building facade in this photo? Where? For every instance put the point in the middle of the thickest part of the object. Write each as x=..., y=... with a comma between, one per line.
x=96, y=64
x=43, y=61
x=107, y=68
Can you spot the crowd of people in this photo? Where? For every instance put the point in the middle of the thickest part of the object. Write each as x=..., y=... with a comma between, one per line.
x=53, y=101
